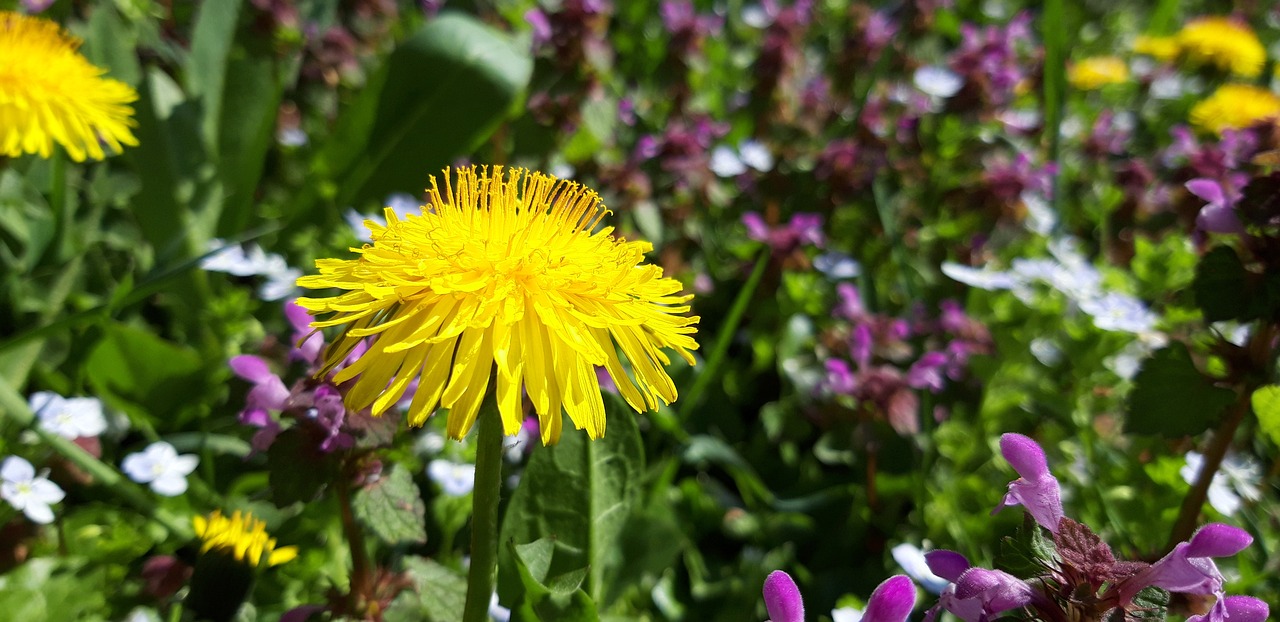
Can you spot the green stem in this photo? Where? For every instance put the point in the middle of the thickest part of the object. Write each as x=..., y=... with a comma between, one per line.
x=725, y=336
x=361, y=570
x=484, y=512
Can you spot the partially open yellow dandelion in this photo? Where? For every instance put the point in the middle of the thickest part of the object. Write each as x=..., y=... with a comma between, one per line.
x=1098, y=71
x=242, y=536
x=506, y=269
x=1224, y=43
x=1162, y=48
x=1235, y=106
x=50, y=93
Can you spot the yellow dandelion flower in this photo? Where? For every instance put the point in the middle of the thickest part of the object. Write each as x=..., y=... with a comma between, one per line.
x=506, y=269
x=49, y=92
x=1235, y=106
x=1224, y=43
x=241, y=536
x=1097, y=72
x=1162, y=48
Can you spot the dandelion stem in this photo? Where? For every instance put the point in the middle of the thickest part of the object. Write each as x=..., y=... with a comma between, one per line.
x=484, y=511
x=361, y=574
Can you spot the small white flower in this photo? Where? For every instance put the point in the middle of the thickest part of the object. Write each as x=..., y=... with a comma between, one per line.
x=402, y=204
x=726, y=163
x=1046, y=351
x=72, y=418
x=430, y=443
x=846, y=614
x=756, y=16
x=280, y=284
x=562, y=170
x=754, y=154
x=455, y=478
x=1237, y=477
x=291, y=137
x=937, y=81
x=497, y=612
x=160, y=466
x=251, y=260
x=26, y=492
x=911, y=558
x=989, y=280
x=1119, y=313
x=1040, y=217
x=837, y=266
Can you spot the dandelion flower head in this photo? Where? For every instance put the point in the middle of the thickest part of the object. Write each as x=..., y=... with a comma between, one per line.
x=510, y=270
x=242, y=536
x=1161, y=48
x=1235, y=106
x=1224, y=43
x=1098, y=71
x=50, y=93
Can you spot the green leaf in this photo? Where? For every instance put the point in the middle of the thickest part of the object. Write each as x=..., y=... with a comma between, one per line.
x=1026, y=553
x=111, y=44
x=1171, y=398
x=1222, y=286
x=26, y=223
x=1266, y=405
x=296, y=468
x=146, y=372
x=581, y=493
x=392, y=508
x=441, y=94
x=438, y=596
x=548, y=599
x=211, y=39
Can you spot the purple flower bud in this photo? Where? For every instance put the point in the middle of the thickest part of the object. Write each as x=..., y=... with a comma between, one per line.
x=1238, y=609
x=892, y=601
x=1188, y=568
x=926, y=373
x=946, y=564
x=840, y=379
x=307, y=341
x=1218, y=540
x=1036, y=490
x=756, y=229
x=1219, y=215
x=782, y=598
x=541, y=27
x=998, y=591
x=269, y=392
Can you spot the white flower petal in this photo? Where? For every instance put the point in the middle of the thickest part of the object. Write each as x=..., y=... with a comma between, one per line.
x=46, y=492
x=725, y=163
x=15, y=469
x=184, y=464
x=170, y=485
x=38, y=513
x=140, y=467
x=937, y=81
x=754, y=154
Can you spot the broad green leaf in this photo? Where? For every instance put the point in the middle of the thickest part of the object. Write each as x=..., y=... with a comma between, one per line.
x=438, y=593
x=26, y=223
x=144, y=371
x=61, y=588
x=442, y=92
x=1222, y=287
x=392, y=508
x=1172, y=398
x=581, y=493
x=215, y=30
x=1266, y=405
x=547, y=599
x=112, y=44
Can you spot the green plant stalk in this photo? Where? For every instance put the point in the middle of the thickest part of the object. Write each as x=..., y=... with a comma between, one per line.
x=1193, y=503
x=484, y=511
x=1054, y=31
x=361, y=570
x=716, y=357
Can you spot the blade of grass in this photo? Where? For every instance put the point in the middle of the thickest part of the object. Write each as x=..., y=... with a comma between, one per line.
x=1056, y=34
x=725, y=336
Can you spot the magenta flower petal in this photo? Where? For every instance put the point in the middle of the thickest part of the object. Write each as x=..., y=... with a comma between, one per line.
x=251, y=368
x=1238, y=609
x=1037, y=490
x=892, y=601
x=1208, y=190
x=782, y=598
x=1025, y=455
x=756, y=229
x=997, y=590
x=1218, y=540
x=946, y=564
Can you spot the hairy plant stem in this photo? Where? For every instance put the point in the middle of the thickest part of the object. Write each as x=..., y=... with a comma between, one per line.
x=361, y=570
x=484, y=512
x=1189, y=513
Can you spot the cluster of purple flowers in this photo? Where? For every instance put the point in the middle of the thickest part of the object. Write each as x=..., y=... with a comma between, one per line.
x=1083, y=580
x=1213, y=170
x=314, y=404
x=892, y=601
x=992, y=59
x=879, y=347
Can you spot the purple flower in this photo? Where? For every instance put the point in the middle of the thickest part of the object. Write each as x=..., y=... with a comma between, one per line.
x=268, y=392
x=990, y=592
x=36, y=6
x=878, y=32
x=892, y=601
x=840, y=379
x=541, y=26
x=803, y=229
x=1036, y=489
x=1219, y=216
x=1189, y=567
x=1238, y=609
x=307, y=341
x=926, y=372
x=327, y=412
x=782, y=598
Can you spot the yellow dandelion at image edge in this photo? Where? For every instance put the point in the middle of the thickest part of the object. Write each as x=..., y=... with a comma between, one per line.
x=510, y=272
x=241, y=535
x=1235, y=106
x=50, y=93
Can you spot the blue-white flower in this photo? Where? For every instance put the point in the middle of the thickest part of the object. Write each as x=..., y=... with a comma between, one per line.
x=989, y=280
x=72, y=418
x=911, y=559
x=497, y=612
x=846, y=614
x=26, y=492
x=251, y=260
x=837, y=266
x=726, y=162
x=1119, y=313
x=160, y=466
x=403, y=205
x=455, y=478
x=937, y=81
x=1237, y=478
